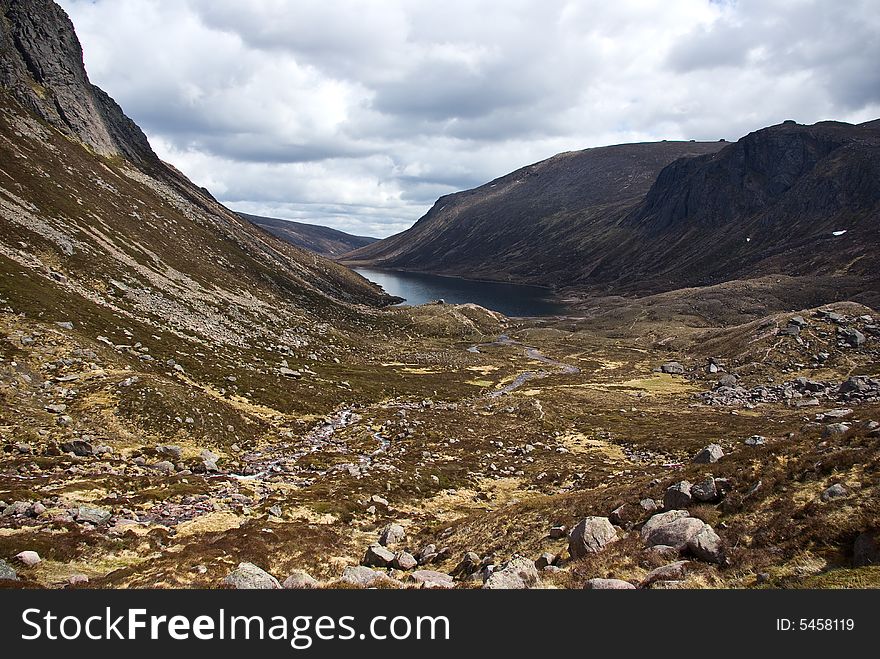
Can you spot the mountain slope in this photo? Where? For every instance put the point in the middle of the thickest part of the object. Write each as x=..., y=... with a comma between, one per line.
x=88, y=211
x=323, y=240
x=769, y=203
x=531, y=224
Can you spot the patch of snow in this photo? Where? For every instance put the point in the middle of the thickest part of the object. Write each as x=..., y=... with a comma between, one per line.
x=839, y=233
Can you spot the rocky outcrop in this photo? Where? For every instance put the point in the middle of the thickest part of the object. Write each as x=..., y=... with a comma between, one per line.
x=41, y=63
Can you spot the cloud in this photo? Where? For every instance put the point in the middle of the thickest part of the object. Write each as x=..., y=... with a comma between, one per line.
x=358, y=114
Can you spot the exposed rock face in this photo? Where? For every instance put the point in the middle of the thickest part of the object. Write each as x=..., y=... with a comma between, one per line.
x=38, y=43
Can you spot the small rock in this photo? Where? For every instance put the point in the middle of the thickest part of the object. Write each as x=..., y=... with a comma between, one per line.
x=835, y=430
x=558, y=532
x=836, y=491
x=29, y=558
x=358, y=575
x=672, y=368
x=648, y=505
x=756, y=440
x=248, y=576
x=710, y=454
x=7, y=572
x=608, y=584
x=672, y=572
x=275, y=511
x=77, y=580
x=300, y=580
x=78, y=447
x=173, y=452
x=432, y=580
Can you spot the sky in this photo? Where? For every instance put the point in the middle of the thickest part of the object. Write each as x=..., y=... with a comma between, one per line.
x=359, y=114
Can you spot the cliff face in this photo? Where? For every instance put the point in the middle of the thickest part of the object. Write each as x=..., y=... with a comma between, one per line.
x=41, y=64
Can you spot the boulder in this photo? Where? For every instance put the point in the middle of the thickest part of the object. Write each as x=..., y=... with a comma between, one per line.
x=378, y=556
x=705, y=491
x=392, y=535
x=517, y=574
x=678, y=496
x=363, y=577
x=674, y=528
x=96, y=516
x=248, y=576
x=608, y=584
x=404, y=561
x=7, y=572
x=648, y=505
x=590, y=536
x=835, y=430
x=727, y=380
x=164, y=467
x=710, y=454
x=672, y=368
x=77, y=579
x=672, y=572
x=469, y=564
x=172, y=452
x=78, y=447
x=432, y=580
x=300, y=580
x=706, y=546
x=29, y=558
x=852, y=337
x=557, y=532
x=756, y=440
x=18, y=509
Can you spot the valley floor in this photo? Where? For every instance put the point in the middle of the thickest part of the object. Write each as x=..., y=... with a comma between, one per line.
x=135, y=460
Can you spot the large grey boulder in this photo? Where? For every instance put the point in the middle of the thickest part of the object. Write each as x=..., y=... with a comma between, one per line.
x=405, y=561
x=608, y=584
x=517, y=574
x=378, y=556
x=29, y=558
x=300, y=580
x=707, y=546
x=710, y=454
x=678, y=496
x=248, y=576
x=673, y=528
x=590, y=536
x=392, y=535
x=672, y=368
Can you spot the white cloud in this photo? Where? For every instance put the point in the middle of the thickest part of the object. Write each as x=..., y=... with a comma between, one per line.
x=358, y=113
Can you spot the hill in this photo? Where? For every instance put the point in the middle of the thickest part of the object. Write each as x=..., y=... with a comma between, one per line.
x=322, y=240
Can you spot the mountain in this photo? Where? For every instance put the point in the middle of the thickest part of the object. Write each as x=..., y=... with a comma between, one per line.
x=91, y=216
x=648, y=218
x=531, y=225
x=315, y=238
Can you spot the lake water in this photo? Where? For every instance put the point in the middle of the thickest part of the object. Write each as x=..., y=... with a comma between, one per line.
x=510, y=299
